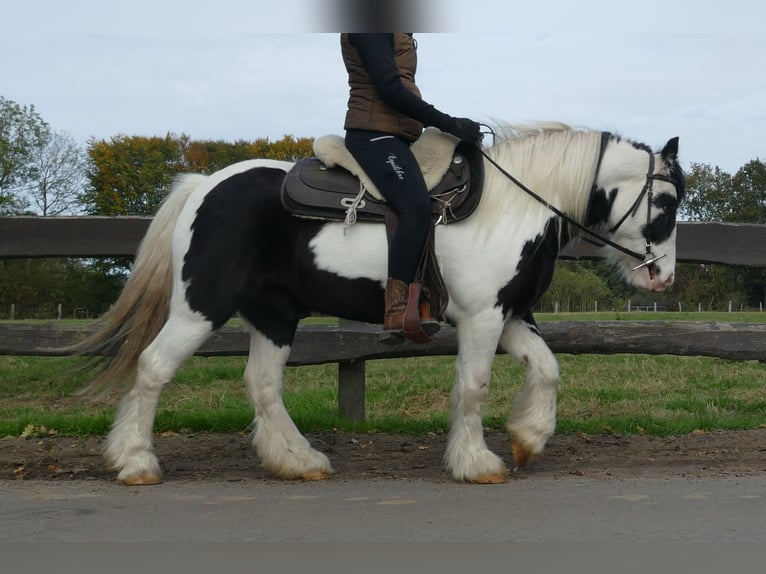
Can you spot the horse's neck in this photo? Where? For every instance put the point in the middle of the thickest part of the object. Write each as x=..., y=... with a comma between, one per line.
x=558, y=167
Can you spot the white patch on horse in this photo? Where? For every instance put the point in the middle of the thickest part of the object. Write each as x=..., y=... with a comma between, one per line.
x=360, y=251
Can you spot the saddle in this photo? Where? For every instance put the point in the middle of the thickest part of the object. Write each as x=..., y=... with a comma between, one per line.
x=332, y=186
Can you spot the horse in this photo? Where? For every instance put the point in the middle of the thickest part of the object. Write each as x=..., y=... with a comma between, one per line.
x=222, y=245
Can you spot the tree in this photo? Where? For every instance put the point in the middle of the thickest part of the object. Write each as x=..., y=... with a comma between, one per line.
x=131, y=175
x=749, y=193
x=708, y=195
x=210, y=156
x=22, y=132
x=575, y=286
x=60, y=176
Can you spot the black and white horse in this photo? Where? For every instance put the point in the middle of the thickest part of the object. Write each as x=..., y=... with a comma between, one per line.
x=223, y=244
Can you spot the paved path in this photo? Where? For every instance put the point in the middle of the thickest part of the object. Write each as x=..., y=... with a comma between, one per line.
x=567, y=509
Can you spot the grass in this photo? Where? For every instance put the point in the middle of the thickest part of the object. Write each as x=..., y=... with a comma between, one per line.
x=733, y=317
x=617, y=393
x=657, y=395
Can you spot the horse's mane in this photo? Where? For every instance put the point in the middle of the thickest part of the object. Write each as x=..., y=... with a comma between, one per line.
x=554, y=160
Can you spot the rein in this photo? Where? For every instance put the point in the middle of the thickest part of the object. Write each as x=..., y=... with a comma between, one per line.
x=648, y=259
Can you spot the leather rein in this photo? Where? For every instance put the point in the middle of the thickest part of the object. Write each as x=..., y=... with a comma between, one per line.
x=648, y=259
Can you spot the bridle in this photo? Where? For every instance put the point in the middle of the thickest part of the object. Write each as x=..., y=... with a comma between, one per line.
x=648, y=259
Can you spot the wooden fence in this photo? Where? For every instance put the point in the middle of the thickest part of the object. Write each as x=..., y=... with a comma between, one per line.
x=351, y=345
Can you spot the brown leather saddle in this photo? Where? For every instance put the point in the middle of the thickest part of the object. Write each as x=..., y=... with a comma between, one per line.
x=314, y=191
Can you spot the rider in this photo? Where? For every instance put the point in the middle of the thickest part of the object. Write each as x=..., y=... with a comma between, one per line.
x=385, y=115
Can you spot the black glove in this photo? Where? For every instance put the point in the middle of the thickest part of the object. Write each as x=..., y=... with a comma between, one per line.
x=465, y=129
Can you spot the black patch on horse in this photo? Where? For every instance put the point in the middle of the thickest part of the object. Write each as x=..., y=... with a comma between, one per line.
x=533, y=273
x=600, y=206
x=248, y=255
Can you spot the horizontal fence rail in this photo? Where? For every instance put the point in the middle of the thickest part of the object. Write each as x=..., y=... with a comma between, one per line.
x=724, y=243
x=319, y=344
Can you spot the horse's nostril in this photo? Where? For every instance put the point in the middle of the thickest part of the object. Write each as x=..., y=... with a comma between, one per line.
x=670, y=279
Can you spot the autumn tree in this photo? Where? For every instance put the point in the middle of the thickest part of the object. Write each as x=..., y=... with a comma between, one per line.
x=210, y=156
x=131, y=175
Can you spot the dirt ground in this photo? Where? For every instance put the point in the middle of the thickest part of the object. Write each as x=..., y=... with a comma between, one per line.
x=229, y=457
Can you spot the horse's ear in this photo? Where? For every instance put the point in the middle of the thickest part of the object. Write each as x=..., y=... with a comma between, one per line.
x=670, y=151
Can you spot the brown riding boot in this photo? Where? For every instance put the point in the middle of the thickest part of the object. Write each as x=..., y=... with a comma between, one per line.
x=396, y=305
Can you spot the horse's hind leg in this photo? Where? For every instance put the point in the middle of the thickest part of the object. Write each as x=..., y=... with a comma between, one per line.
x=129, y=447
x=282, y=449
x=533, y=418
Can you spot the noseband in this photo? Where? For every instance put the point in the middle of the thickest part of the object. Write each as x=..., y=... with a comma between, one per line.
x=648, y=259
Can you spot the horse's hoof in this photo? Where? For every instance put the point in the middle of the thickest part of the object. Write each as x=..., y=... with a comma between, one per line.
x=318, y=475
x=143, y=479
x=521, y=456
x=499, y=478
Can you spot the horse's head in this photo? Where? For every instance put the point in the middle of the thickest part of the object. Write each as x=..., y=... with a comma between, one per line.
x=635, y=198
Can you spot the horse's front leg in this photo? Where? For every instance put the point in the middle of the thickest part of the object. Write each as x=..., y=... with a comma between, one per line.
x=467, y=458
x=533, y=418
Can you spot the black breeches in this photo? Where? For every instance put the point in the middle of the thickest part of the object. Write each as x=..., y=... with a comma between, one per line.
x=389, y=163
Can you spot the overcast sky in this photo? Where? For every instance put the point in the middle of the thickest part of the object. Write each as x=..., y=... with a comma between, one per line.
x=244, y=69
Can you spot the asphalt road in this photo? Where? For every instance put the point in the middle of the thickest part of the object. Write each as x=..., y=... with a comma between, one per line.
x=556, y=509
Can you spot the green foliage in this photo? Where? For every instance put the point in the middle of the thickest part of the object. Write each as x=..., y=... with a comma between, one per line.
x=714, y=195
x=37, y=286
x=708, y=194
x=575, y=286
x=749, y=191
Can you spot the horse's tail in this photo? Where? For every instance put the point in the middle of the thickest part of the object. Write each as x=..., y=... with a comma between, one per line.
x=141, y=310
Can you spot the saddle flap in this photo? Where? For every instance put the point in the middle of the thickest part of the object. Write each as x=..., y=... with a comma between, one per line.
x=313, y=190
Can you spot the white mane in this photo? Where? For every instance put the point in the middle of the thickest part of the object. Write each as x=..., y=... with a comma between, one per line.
x=552, y=159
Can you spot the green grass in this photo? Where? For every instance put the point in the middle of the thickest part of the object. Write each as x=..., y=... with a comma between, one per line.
x=733, y=317
x=618, y=393
x=658, y=395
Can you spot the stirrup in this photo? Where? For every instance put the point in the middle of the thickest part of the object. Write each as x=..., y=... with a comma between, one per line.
x=413, y=328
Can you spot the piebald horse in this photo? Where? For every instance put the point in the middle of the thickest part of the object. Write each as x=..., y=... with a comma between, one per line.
x=223, y=244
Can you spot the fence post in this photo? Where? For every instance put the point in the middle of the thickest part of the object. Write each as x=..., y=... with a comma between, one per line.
x=351, y=389
x=351, y=385
x=729, y=306
x=628, y=305
x=13, y=311
x=59, y=311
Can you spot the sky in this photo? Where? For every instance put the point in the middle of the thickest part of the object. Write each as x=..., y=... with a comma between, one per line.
x=246, y=69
